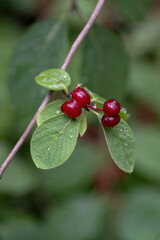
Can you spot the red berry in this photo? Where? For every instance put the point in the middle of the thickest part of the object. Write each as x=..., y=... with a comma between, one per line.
x=108, y=121
x=81, y=96
x=71, y=108
x=111, y=107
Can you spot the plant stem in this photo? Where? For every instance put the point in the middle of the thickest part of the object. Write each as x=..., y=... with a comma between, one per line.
x=94, y=107
x=47, y=98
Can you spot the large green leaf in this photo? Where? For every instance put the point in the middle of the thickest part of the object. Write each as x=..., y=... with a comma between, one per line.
x=139, y=217
x=54, y=79
x=134, y=9
x=53, y=142
x=148, y=152
x=83, y=123
x=42, y=47
x=23, y=228
x=144, y=38
x=105, y=63
x=121, y=144
x=81, y=218
x=53, y=109
x=143, y=82
x=8, y=28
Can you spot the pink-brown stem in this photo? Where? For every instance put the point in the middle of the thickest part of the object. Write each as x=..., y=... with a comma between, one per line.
x=94, y=107
x=47, y=98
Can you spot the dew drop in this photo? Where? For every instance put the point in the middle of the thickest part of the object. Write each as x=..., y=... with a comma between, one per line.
x=58, y=112
x=124, y=110
x=70, y=137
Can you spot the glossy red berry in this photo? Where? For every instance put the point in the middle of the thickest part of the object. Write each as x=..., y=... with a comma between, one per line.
x=108, y=121
x=111, y=107
x=71, y=108
x=81, y=96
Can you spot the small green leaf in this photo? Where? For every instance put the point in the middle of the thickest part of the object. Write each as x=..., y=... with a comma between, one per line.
x=121, y=144
x=51, y=110
x=53, y=142
x=95, y=98
x=83, y=124
x=54, y=79
x=123, y=114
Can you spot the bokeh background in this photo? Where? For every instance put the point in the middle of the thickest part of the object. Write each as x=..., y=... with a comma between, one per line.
x=88, y=197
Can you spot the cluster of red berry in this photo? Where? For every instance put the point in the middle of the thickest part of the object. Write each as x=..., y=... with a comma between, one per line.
x=81, y=98
x=73, y=107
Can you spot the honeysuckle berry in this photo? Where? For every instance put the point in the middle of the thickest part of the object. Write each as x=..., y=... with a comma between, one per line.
x=71, y=108
x=111, y=107
x=108, y=121
x=81, y=96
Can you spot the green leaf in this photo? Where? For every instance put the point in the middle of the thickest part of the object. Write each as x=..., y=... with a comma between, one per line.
x=144, y=38
x=22, y=228
x=83, y=123
x=95, y=98
x=7, y=28
x=81, y=218
x=143, y=82
x=53, y=142
x=148, y=152
x=42, y=47
x=105, y=63
x=123, y=114
x=134, y=9
x=121, y=144
x=139, y=214
x=53, y=109
x=54, y=79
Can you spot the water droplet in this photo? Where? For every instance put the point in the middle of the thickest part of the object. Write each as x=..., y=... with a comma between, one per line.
x=70, y=137
x=124, y=110
x=58, y=112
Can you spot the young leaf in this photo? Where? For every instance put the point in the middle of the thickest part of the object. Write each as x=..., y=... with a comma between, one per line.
x=95, y=98
x=53, y=142
x=83, y=124
x=51, y=110
x=123, y=114
x=121, y=144
x=54, y=79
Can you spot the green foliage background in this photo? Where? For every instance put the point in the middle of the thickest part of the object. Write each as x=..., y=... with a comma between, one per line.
x=88, y=197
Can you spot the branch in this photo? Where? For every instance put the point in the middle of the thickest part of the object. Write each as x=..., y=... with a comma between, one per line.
x=47, y=98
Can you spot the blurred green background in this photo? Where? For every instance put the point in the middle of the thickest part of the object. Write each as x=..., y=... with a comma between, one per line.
x=87, y=198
